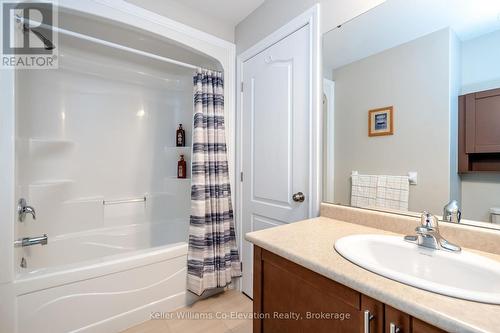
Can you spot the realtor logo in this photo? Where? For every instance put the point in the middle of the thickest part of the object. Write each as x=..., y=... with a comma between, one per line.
x=28, y=37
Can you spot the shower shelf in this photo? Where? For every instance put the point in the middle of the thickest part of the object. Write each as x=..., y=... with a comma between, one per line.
x=46, y=145
x=50, y=141
x=179, y=179
x=37, y=143
x=51, y=182
x=174, y=148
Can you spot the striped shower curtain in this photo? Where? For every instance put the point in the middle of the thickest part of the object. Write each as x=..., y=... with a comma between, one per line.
x=213, y=257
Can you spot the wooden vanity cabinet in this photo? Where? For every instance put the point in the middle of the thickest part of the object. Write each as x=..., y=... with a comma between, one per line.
x=291, y=298
x=419, y=326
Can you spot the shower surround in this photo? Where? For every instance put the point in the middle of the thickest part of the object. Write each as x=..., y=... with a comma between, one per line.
x=93, y=151
x=96, y=158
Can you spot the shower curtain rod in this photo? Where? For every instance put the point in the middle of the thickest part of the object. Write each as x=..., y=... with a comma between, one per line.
x=105, y=43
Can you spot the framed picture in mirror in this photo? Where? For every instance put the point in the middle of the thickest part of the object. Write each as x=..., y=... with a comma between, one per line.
x=380, y=121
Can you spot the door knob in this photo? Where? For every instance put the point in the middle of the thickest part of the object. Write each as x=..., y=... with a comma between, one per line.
x=299, y=197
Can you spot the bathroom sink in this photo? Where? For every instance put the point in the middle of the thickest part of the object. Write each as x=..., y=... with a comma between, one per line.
x=462, y=275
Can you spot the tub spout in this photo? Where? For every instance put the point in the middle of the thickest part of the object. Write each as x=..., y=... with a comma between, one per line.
x=29, y=241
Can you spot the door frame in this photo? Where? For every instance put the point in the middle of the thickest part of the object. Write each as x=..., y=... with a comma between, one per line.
x=310, y=17
x=329, y=173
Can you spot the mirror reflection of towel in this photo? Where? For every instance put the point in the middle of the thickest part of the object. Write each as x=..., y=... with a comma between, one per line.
x=380, y=191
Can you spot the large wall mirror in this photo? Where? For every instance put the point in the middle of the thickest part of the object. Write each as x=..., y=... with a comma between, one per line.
x=411, y=109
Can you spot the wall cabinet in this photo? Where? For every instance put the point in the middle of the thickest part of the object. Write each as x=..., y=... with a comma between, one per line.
x=479, y=131
x=291, y=298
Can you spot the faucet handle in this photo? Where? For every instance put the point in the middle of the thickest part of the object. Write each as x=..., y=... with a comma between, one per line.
x=452, y=212
x=23, y=209
x=429, y=221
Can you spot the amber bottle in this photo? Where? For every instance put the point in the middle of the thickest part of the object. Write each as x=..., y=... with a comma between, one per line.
x=181, y=168
x=180, y=137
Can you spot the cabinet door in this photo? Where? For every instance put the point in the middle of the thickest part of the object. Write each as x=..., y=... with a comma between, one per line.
x=286, y=289
x=375, y=314
x=419, y=326
x=396, y=321
x=482, y=117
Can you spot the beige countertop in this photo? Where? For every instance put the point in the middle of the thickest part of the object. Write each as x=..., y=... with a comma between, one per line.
x=310, y=243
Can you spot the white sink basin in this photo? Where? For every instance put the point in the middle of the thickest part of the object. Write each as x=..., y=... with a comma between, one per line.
x=463, y=275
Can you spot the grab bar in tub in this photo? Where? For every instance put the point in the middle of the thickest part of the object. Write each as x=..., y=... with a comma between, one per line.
x=123, y=201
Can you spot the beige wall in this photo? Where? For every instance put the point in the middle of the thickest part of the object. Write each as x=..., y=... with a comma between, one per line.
x=414, y=78
x=268, y=17
x=186, y=15
x=273, y=14
x=480, y=66
x=480, y=192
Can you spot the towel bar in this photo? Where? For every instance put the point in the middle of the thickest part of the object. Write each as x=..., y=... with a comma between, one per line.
x=412, y=176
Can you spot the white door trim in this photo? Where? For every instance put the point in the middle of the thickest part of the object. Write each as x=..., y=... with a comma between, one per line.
x=310, y=17
x=329, y=173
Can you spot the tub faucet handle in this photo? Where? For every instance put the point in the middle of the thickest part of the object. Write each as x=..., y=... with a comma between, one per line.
x=23, y=209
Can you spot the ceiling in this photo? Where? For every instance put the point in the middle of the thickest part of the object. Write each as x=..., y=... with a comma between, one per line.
x=230, y=11
x=399, y=21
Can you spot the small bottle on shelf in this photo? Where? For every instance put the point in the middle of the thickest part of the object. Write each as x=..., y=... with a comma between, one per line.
x=181, y=168
x=180, y=137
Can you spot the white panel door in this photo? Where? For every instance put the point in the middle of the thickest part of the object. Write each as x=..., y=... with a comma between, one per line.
x=275, y=139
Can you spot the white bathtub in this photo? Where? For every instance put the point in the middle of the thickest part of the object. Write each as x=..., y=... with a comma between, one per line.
x=102, y=280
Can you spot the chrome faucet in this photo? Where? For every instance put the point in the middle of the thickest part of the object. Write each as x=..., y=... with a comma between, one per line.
x=452, y=212
x=428, y=235
x=23, y=209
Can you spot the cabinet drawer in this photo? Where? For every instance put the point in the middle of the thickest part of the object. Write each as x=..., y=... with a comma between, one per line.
x=395, y=319
x=314, y=280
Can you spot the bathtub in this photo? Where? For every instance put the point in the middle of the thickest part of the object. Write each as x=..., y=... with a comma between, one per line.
x=104, y=280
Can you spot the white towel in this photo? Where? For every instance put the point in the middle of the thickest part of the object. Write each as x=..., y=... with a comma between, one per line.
x=393, y=192
x=380, y=191
x=364, y=191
